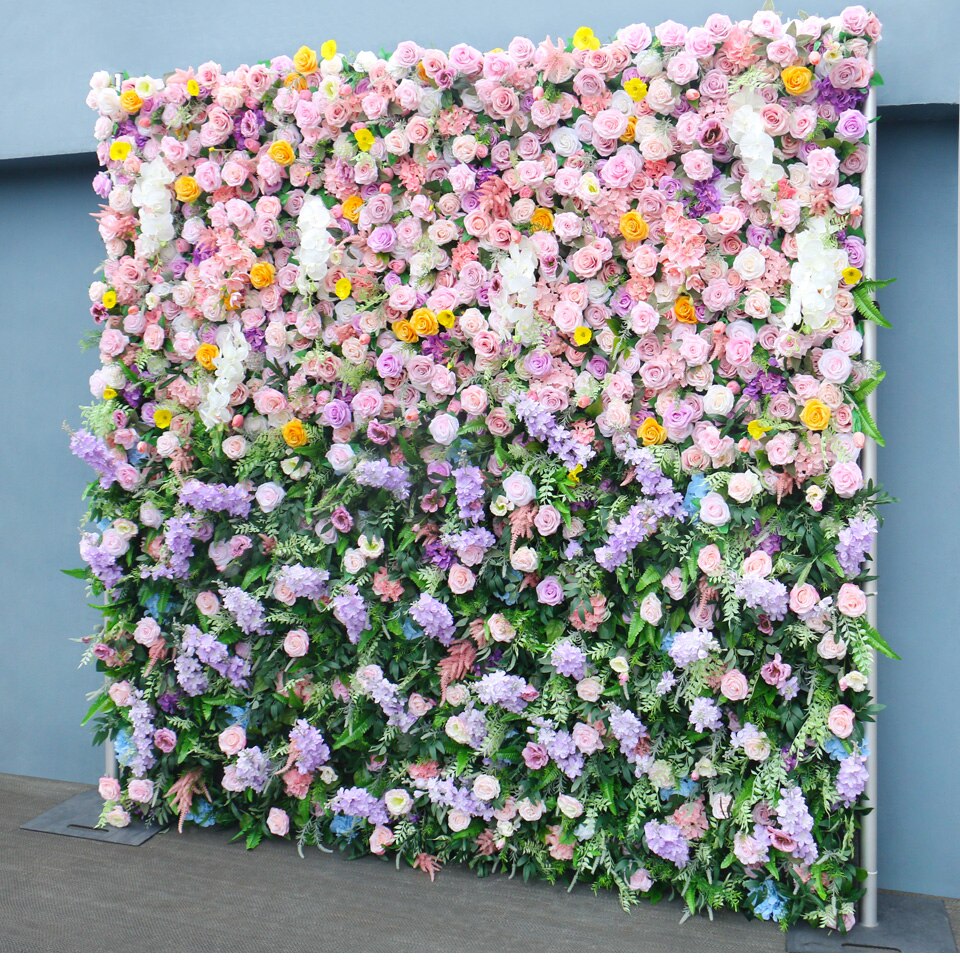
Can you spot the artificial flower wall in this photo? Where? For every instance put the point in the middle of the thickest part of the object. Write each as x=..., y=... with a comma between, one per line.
x=477, y=444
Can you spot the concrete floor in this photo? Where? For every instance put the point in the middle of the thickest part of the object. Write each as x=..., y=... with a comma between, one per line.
x=199, y=892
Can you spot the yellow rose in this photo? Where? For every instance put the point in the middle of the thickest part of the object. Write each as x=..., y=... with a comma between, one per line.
x=633, y=227
x=342, y=288
x=120, y=150
x=294, y=434
x=205, y=355
x=186, y=188
x=424, y=322
x=193, y=87
x=636, y=88
x=585, y=39
x=796, y=80
x=757, y=429
x=328, y=49
x=131, y=101
x=815, y=415
x=582, y=335
x=403, y=329
x=630, y=134
x=282, y=152
x=852, y=276
x=684, y=310
x=109, y=393
x=446, y=318
x=651, y=432
x=305, y=60
x=109, y=299
x=573, y=476
x=162, y=418
x=262, y=274
x=542, y=219
x=351, y=208
x=364, y=138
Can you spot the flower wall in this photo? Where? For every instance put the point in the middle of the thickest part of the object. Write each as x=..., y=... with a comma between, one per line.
x=477, y=446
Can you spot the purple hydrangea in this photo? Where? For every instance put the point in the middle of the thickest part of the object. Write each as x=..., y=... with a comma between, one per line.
x=666, y=841
x=96, y=453
x=768, y=595
x=499, y=688
x=304, y=582
x=312, y=751
x=692, y=646
x=854, y=543
x=704, y=714
x=569, y=660
x=252, y=769
x=434, y=618
x=358, y=802
x=247, y=611
x=387, y=695
x=232, y=499
x=469, y=491
x=379, y=473
x=542, y=425
x=852, y=778
x=628, y=730
x=350, y=611
x=796, y=822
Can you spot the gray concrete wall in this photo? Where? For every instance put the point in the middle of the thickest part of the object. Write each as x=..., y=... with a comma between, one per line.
x=55, y=46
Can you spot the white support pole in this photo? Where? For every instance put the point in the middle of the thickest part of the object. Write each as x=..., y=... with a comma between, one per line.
x=868, y=830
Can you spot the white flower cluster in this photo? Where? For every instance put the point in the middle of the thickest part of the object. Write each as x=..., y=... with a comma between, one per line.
x=814, y=277
x=153, y=200
x=316, y=244
x=754, y=144
x=229, y=365
x=514, y=301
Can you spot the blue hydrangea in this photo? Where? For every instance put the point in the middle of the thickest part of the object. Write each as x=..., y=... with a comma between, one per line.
x=202, y=814
x=344, y=826
x=125, y=749
x=767, y=902
x=697, y=488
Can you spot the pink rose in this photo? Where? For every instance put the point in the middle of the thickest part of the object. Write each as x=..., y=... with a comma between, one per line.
x=803, y=598
x=734, y=685
x=109, y=789
x=519, y=489
x=460, y=579
x=547, y=520
x=846, y=478
x=232, y=740
x=381, y=837
x=851, y=601
x=207, y=603
x=586, y=738
x=840, y=721
x=296, y=643
x=140, y=790
x=278, y=822
x=709, y=559
x=714, y=510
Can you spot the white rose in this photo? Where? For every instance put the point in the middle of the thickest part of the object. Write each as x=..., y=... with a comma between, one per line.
x=530, y=811
x=455, y=728
x=714, y=510
x=589, y=689
x=661, y=775
x=457, y=695
x=749, y=264
x=519, y=488
x=756, y=746
x=570, y=807
x=718, y=400
x=234, y=447
x=354, y=561
x=458, y=820
x=444, y=428
x=505, y=828
x=486, y=788
x=398, y=802
x=651, y=610
x=525, y=559
x=743, y=486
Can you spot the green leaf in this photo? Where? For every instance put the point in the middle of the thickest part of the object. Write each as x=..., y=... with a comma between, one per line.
x=98, y=704
x=81, y=573
x=877, y=640
x=868, y=309
x=869, y=426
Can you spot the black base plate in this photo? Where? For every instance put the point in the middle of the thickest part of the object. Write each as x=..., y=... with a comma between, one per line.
x=78, y=817
x=907, y=924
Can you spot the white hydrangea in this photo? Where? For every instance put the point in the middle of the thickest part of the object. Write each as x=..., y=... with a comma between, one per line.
x=229, y=366
x=316, y=244
x=153, y=200
x=754, y=144
x=814, y=277
x=513, y=303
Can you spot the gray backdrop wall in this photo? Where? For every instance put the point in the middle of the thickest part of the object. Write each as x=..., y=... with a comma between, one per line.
x=53, y=248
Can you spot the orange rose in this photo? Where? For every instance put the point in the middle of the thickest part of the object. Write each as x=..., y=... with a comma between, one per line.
x=684, y=310
x=403, y=329
x=351, y=208
x=815, y=415
x=186, y=188
x=262, y=274
x=651, y=432
x=796, y=80
x=542, y=219
x=131, y=101
x=294, y=434
x=281, y=152
x=633, y=227
x=305, y=60
x=206, y=354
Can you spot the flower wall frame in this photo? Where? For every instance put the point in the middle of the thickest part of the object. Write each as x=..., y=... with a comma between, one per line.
x=477, y=444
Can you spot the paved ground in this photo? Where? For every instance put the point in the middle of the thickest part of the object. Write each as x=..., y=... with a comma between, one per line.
x=198, y=892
